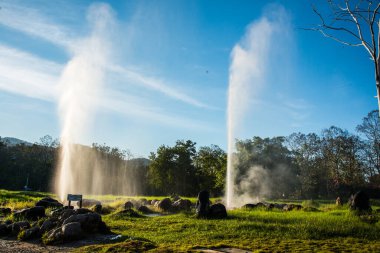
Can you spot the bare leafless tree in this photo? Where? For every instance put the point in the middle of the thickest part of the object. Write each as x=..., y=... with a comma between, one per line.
x=354, y=23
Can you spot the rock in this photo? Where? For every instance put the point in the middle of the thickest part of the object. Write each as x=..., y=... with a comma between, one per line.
x=48, y=202
x=97, y=209
x=279, y=206
x=33, y=213
x=31, y=233
x=260, y=204
x=130, y=213
x=82, y=211
x=290, y=207
x=18, y=226
x=143, y=202
x=89, y=202
x=165, y=204
x=5, y=211
x=203, y=204
x=5, y=230
x=182, y=205
x=360, y=202
x=128, y=205
x=66, y=213
x=81, y=218
x=175, y=197
x=154, y=201
x=54, y=236
x=90, y=222
x=144, y=209
x=217, y=211
x=47, y=225
x=249, y=206
x=72, y=231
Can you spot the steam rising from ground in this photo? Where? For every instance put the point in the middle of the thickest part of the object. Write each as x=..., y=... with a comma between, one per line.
x=249, y=71
x=81, y=87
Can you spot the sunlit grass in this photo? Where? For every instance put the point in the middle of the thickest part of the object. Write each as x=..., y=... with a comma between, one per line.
x=332, y=229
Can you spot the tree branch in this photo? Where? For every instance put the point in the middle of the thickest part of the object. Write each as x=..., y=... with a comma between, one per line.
x=365, y=44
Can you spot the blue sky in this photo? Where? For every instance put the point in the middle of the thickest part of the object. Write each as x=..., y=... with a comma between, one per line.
x=169, y=72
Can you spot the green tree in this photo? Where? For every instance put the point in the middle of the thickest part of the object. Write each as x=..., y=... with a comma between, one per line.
x=211, y=165
x=370, y=130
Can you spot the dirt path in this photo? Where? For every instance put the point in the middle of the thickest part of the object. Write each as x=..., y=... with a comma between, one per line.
x=12, y=246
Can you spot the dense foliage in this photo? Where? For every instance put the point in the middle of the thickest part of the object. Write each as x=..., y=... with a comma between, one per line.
x=301, y=165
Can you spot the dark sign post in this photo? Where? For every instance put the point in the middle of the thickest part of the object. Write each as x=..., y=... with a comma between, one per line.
x=74, y=197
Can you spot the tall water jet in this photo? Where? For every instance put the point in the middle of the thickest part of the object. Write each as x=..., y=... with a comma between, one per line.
x=80, y=90
x=248, y=73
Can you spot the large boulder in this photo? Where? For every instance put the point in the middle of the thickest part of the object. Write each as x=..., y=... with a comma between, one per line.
x=203, y=204
x=33, y=213
x=49, y=202
x=72, y=231
x=217, y=211
x=360, y=202
x=90, y=222
x=165, y=204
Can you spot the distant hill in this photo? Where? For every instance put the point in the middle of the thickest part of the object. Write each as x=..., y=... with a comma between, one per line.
x=11, y=141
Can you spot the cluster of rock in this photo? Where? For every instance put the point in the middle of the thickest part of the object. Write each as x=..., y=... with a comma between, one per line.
x=165, y=205
x=270, y=206
x=62, y=225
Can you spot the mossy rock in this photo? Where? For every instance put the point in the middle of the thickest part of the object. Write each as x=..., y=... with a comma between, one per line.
x=128, y=213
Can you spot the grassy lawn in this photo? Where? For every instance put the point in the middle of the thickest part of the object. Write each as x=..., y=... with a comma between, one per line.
x=331, y=229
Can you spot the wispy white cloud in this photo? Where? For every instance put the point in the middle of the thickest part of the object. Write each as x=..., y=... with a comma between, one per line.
x=157, y=85
x=34, y=23
x=24, y=74
x=31, y=22
x=28, y=75
x=134, y=107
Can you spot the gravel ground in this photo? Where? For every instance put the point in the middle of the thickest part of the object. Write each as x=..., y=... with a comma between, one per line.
x=12, y=246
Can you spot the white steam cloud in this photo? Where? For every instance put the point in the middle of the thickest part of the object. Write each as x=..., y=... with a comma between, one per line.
x=251, y=59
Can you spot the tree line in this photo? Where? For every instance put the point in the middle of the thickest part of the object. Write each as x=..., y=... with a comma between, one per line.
x=334, y=162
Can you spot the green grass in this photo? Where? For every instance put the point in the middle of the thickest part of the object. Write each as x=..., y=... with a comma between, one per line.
x=244, y=229
x=20, y=199
x=332, y=229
